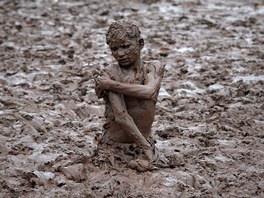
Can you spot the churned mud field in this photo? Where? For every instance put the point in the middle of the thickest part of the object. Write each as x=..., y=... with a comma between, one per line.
x=209, y=119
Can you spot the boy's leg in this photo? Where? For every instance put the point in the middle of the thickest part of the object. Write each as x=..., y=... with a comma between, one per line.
x=125, y=121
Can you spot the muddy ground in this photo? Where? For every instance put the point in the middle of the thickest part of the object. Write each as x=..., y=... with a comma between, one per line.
x=209, y=114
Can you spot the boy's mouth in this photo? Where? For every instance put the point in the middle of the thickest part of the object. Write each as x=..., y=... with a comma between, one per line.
x=123, y=60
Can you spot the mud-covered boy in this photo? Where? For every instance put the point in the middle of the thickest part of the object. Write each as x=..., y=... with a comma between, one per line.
x=130, y=88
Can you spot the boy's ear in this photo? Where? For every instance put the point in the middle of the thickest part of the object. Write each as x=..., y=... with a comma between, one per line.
x=141, y=42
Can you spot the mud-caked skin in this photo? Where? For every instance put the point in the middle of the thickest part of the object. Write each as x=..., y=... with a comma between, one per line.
x=131, y=88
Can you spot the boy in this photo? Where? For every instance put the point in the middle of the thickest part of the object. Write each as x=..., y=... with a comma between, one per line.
x=130, y=90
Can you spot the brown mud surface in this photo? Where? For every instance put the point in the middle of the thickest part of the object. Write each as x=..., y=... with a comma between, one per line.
x=209, y=119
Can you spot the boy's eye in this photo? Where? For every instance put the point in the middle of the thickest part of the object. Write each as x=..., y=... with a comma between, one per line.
x=126, y=46
x=113, y=48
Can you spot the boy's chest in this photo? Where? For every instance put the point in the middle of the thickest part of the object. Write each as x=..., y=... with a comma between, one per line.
x=132, y=76
x=131, y=79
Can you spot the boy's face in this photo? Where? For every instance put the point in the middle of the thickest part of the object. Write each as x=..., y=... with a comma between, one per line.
x=125, y=50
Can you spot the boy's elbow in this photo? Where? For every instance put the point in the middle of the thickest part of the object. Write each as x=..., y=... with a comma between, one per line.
x=149, y=94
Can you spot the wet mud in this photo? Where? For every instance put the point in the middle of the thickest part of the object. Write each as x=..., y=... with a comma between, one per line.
x=209, y=121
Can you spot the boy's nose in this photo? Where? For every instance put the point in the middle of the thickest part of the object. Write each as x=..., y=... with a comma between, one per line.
x=121, y=53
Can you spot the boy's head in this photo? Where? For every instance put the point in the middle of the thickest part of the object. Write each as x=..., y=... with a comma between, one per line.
x=123, y=38
x=121, y=30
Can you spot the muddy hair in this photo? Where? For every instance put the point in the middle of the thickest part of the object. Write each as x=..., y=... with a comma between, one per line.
x=123, y=28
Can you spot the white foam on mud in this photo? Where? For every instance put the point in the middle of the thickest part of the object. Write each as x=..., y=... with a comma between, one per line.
x=163, y=92
x=11, y=44
x=47, y=33
x=89, y=140
x=193, y=67
x=170, y=144
x=55, y=66
x=167, y=8
x=191, y=91
x=240, y=69
x=185, y=49
x=235, y=105
x=69, y=4
x=260, y=10
x=17, y=80
x=222, y=158
x=246, y=9
x=38, y=147
x=230, y=19
x=216, y=86
x=170, y=181
x=196, y=128
x=224, y=142
x=44, y=175
x=44, y=158
x=260, y=122
x=249, y=40
x=162, y=144
x=227, y=143
x=248, y=79
x=21, y=78
x=3, y=113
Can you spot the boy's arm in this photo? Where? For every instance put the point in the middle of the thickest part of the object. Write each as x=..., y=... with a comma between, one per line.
x=105, y=74
x=149, y=90
x=98, y=89
x=125, y=121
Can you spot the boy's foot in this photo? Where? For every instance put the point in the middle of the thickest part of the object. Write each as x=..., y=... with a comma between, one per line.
x=152, y=154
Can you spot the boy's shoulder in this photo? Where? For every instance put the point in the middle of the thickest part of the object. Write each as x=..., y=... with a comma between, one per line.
x=154, y=64
x=112, y=70
x=111, y=67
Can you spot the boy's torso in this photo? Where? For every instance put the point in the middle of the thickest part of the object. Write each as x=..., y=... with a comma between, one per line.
x=141, y=110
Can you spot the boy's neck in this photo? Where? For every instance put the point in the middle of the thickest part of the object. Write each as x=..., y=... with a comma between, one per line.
x=136, y=66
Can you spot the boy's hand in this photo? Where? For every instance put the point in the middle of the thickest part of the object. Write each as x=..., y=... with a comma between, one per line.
x=101, y=85
x=103, y=82
x=161, y=71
